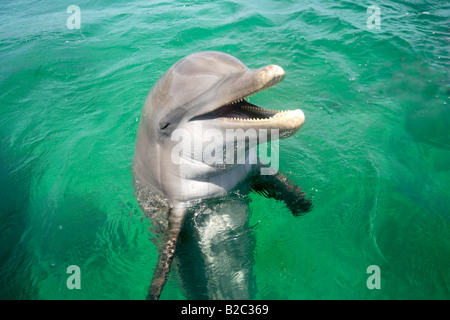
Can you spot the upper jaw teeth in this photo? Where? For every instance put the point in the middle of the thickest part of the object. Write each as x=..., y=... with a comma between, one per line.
x=276, y=114
x=262, y=109
x=250, y=95
x=255, y=108
x=236, y=101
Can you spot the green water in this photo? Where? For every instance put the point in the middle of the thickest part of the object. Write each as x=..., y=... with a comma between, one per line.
x=374, y=151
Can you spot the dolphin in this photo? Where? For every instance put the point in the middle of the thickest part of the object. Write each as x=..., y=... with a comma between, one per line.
x=189, y=113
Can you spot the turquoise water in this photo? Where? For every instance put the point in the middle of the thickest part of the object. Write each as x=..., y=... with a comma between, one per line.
x=374, y=151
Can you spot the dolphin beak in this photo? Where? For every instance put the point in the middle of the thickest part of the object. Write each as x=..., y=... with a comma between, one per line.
x=238, y=112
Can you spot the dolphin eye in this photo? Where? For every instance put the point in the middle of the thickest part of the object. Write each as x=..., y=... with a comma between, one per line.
x=164, y=125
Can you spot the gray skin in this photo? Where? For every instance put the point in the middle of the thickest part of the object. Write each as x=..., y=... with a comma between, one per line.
x=206, y=203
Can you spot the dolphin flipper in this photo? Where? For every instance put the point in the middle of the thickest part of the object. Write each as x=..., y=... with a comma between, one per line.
x=279, y=187
x=166, y=254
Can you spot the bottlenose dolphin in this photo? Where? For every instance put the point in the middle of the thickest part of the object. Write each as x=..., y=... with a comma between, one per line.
x=199, y=101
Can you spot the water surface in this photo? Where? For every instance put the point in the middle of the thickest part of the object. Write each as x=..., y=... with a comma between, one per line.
x=374, y=152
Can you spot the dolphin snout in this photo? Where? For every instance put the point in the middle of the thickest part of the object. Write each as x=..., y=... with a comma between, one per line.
x=270, y=75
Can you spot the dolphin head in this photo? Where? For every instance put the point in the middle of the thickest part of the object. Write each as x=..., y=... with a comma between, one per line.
x=212, y=87
x=206, y=90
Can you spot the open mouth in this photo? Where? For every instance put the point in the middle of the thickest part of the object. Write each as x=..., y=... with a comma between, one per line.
x=239, y=110
x=242, y=110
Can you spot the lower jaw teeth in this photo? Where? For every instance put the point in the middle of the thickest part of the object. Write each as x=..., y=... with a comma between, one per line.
x=250, y=119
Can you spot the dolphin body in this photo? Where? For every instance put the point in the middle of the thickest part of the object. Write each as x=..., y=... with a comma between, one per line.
x=200, y=207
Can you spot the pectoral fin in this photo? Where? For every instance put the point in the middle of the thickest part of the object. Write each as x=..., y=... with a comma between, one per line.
x=167, y=252
x=279, y=187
